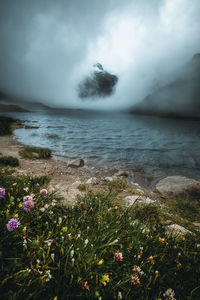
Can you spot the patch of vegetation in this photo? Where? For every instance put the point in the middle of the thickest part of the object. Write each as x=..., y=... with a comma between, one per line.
x=93, y=249
x=9, y=161
x=189, y=210
x=82, y=187
x=5, y=125
x=35, y=152
x=117, y=185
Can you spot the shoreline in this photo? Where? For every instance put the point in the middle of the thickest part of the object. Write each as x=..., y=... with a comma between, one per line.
x=63, y=178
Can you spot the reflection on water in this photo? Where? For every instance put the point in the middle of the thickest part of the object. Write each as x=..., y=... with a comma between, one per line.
x=162, y=146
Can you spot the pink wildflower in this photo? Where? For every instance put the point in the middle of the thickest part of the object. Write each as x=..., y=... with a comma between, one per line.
x=28, y=204
x=136, y=269
x=169, y=294
x=118, y=256
x=135, y=280
x=28, y=198
x=151, y=260
x=84, y=285
x=44, y=192
x=12, y=224
x=2, y=192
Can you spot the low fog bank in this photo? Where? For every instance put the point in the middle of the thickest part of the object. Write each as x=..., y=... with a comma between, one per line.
x=179, y=98
x=48, y=49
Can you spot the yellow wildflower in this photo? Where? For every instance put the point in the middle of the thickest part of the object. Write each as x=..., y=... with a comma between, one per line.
x=16, y=216
x=105, y=279
x=100, y=262
x=116, y=207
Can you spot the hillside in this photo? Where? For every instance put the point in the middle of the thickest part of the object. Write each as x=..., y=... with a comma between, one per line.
x=180, y=98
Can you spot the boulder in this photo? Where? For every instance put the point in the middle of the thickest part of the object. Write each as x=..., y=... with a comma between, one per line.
x=76, y=163
x=91, y=180
x=121, y=174
x=137, y=199
x=176, y=230
x=176, y=186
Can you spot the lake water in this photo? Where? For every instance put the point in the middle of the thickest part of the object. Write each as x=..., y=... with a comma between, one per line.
x=161, y=146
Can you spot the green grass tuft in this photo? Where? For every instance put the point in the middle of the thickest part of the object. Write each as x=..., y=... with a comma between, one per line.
x=9, y=161
x=5, y=125
x=35, y=152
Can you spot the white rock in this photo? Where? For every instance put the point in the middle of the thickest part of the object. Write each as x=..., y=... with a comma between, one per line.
x=108, y=178
x=91, y=180
x=173, y=186
x=76, y=163
x=76, y=183
x=137, y=199
x=176, y=230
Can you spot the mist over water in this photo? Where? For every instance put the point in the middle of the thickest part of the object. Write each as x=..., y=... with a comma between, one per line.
x=160, y=146
x=47, y=47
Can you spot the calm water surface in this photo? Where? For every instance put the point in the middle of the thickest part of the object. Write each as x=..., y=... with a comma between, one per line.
x=161, y=146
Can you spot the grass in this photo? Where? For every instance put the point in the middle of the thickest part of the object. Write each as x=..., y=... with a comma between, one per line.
x=60, y=252
x=82, y=187
x=35, y=152
x=117, y=185
x=9, y=161
x=5, y=125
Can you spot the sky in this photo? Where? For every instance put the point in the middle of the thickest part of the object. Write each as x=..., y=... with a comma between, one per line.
x=47, y=47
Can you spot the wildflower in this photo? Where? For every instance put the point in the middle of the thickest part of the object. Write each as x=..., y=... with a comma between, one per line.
x=24, y=229
x=2, y=192
x=42, y=209
x=135, y=280
x=151, y=260
x=105, y=279
x=49, y=276
x=73, y=261
x=52, y=256
x=169, y=294
x=44, y=192
x=157, y=272
x=59, y=220
x=72, y=253
x=50, y=212
x=183, y=238
x=64, y=229
x=28, y=204
x=116, y=207
x=100, y=262
x=26, y=189
x=28, y=270
x=161, y=240
x=86, y=241
x=119, y=297
x=118, y=256
x=26, y=198
x=53, y=203
x=84, y=285
x=12, y=224
x=136, y=269
x=78, y=235
x=16, y=215
x=46, y=206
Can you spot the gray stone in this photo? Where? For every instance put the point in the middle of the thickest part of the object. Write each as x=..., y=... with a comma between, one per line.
x=176, y=230
x=91, y=180
x=175, y=186
x=121, y=174
x=76, y=163
x=137, y=199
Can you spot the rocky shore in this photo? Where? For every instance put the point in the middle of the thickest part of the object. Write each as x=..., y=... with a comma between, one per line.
x=73, y=178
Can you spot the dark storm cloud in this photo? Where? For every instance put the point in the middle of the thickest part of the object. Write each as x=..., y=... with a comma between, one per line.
x=46, y=47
